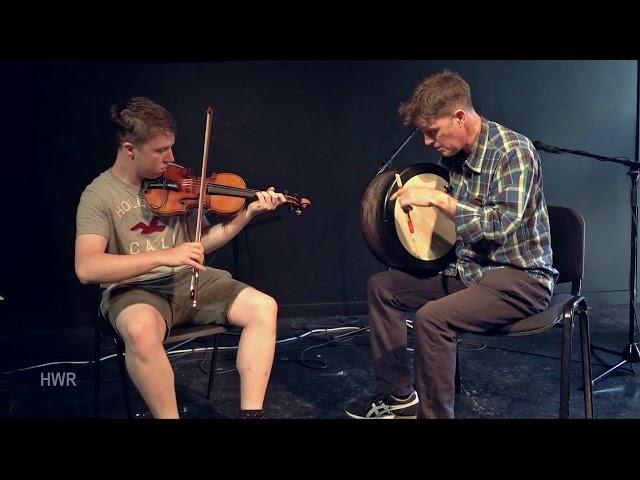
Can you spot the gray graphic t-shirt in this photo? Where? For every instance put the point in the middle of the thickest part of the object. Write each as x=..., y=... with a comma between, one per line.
x=117, y=211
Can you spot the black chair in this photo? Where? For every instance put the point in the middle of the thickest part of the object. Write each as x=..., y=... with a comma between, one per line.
x=567, y=243
x=178, y=334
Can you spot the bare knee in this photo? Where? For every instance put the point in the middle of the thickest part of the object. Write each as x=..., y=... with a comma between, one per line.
x=253, y=307
x=142, y=328
x=265, y=310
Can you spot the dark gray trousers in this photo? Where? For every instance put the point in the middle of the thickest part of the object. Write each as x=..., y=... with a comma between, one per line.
x=444, y=307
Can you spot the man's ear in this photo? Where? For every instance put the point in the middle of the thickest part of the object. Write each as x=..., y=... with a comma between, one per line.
x=460, y=116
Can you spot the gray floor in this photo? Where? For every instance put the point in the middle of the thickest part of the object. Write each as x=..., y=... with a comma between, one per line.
x=502, y=378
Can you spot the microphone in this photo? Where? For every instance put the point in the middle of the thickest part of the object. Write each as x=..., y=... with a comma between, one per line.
x=547, y=148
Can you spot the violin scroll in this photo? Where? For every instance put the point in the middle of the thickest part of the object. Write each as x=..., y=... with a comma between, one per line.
x=296, y=203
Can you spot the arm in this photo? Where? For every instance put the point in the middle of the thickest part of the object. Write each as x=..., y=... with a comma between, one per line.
x=94, y=265
x=502, y=211
x=221, y=233
x=426, y=197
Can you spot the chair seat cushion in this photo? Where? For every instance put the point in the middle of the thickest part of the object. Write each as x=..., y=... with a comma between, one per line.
x=541, y=321
x=186, y=332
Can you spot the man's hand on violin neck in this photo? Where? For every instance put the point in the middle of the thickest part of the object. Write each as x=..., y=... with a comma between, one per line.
x=188, y=253
x=267, y=201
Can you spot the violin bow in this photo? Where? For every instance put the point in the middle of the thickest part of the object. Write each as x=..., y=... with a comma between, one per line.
x=203, y=184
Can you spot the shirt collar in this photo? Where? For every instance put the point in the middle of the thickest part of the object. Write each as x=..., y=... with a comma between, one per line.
x=476, y=157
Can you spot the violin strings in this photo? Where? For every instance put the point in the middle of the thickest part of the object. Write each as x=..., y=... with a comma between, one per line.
x=227, y=189
x=221, y=188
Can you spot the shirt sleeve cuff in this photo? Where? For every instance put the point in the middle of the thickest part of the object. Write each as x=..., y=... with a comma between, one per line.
x=468, y=225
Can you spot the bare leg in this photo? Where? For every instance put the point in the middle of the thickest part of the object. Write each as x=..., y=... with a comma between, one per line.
x=256, y=313
x=143, y=329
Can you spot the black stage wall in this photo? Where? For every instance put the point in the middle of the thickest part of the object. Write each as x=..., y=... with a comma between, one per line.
x=317, y=127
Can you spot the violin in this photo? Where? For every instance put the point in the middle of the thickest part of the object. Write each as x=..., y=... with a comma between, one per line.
x=178, y=191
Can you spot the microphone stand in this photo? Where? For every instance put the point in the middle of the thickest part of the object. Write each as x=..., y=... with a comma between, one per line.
x=631, y=352
x=382, y=169
x=393, y=155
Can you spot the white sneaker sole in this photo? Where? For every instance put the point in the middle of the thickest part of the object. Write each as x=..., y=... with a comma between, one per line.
x=386, y=417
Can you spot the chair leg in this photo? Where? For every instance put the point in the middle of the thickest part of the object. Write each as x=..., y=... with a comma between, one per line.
x=123, y=376
x=585, y=346
x=212, y=368
x=565, y=371
x=96, y=370
x=457, y=377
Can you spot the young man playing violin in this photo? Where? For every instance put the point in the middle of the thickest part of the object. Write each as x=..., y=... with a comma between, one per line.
x=143, y=264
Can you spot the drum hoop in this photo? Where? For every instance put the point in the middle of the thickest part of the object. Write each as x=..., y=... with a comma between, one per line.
x=388, y=215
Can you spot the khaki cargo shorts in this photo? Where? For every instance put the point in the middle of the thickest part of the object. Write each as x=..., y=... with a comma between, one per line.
x=171, y=297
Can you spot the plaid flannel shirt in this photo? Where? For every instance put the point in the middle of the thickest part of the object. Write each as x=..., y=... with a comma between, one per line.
x=501, y=218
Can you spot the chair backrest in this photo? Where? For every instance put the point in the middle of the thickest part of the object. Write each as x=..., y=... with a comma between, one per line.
x=567, y=243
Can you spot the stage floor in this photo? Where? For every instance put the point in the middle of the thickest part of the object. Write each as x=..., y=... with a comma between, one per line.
x=502, y=378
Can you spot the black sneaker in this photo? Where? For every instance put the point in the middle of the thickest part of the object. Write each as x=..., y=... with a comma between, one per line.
x=384, y=406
